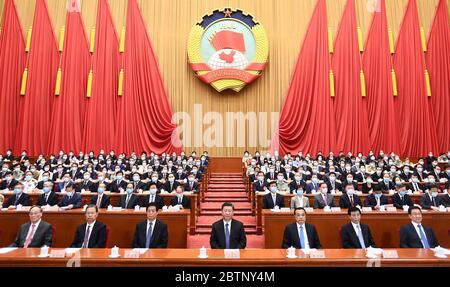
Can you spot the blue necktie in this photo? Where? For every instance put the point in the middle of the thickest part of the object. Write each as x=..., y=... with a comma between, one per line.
x=423, y=237
x=149, y=236
x=360, y=237
x=227, y=236
x=302, y=238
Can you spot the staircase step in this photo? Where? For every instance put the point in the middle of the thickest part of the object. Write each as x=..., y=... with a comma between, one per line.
x=228, y=199
x=226, y=174
x=226, y=194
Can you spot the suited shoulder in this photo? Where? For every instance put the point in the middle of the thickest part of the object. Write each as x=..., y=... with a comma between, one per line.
x=159, y=222
x=405, y=227
x=100, y=224
x=237, y=222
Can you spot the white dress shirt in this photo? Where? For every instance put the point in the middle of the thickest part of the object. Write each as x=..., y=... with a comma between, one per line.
x=305, y=235
x=416, y=227
x=148, y=225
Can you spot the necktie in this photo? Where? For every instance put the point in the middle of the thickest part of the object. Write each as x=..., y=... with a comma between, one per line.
x=16, y=201
x=152, y=198
x=351, y=201
x=434, y=202
x=149, y=235
x=360, y=237
x=179, y=200
x=423, y=237
x=274, y=198
x=401, y=198
x=378, y=201
x=46, y=197
x=126, y=201
x=325, y=199
x=302, y=238
x=227, y=236
x=99, y=200
x=86, y=237
x=30, y=237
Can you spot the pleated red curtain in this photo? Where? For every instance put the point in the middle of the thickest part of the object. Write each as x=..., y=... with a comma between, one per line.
x=36, y=106
x=307, y=120
x=66, y=130
x=349, y=105
x=12, y=65
x=412, y=107
x=438, y=63
x=144, y=112
x=100, y=121
x=383, y=125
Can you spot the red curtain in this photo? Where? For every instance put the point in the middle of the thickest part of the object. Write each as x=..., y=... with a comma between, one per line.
x=307, y=118
x=66, y=129
x=102, y=106
x=383, y=126
x=438, y=63
x=12, y=65
x=144, y=112
x=350, y=107
x=412, y=107
x=36, y=106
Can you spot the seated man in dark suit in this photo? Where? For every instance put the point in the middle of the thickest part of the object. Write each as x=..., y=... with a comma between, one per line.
x=35, y=233
x=154, y=197
x=151, y=233
x=273, y=198
x=332, y=184
x=118, y=184
x=18, y=198
x=297, y=182
x=445, y=198
x=386, y=184
x=191, y=185
x=72, y=199
x=355, y=234
x=323, y=198
x=261, y=184
x=48, y=197
x=300, y=234
x=415, y=235
x=86, y=184
x=400, y=198
x=170, y=185
x=180, y=199
x=138, y=184
x=349, y=198
x=101, y=200
x=9, y=182
x=376, y=199
x=430, y=199
x=129, y=200
x=92, y=233
x=228, y=233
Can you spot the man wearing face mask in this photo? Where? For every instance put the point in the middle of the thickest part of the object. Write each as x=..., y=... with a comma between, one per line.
x=8, y=182
x=436, y=172
x=297, y=182
x=332, y=183
x=138, y=184
x=314, y=185
x=72, y=199
x=323, y=198
x=29, y=183
x=386, y=185
x=349, y=198
x=170, y=185
x=415, y=185
x=180, y=199
x=101, y=200
x=376, y=199
x=86, y=184
x=129, y=200
x=18, y=198
x=260, y=184
x=430, y=199
x=191, y=185
x=118, y=184
x=271, y=176
x=282, y=183
x=153, y=197
x=273, y=198
x=299, y=200
x=49, y=197
x=421, y=173
x=401, y=198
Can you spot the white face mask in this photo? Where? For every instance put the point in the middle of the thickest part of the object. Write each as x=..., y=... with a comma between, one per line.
x=152, y=191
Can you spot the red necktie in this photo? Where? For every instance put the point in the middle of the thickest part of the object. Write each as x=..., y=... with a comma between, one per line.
x=30, y=237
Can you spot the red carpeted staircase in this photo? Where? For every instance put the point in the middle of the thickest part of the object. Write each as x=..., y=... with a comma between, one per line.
x=224, y=187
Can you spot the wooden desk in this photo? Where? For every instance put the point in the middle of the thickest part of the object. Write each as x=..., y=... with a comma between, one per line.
x=249, y=257
x=385, y=226
x=115, y=199
x=121, y=226
x=287, y=202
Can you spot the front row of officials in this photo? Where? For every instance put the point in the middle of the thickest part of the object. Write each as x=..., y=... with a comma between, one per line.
x=226, y=233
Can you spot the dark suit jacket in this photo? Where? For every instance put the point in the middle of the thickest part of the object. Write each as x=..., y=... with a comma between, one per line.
x=140, y=185
x=159, y=235
x=410, y=239
x=238, y=239
x=337, y=185
x=344, y=202
x=134, y=200
x=398, y=202
x=257, y=186
x=185, y=201
x=195, y=187
x=24, y=199
x=75, y=200
x=114, y=186
x=268, y=201
x=89, y=185
x=166, y=186
x=42, y=236
x=372, y=202
x=52, y=199
x=97, y=238
x=386, y=187
x=105, y=200
x=5, y=185
x=291, y=237
x=312, y=186
x=445, y=200
x=350, y=238
x=159, y=200
x=427, y=203
x=294, y=186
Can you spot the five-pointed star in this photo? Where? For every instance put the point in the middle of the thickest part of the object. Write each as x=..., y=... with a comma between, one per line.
x=227, y=13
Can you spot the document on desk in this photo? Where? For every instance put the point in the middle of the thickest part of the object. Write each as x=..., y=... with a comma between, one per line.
x=140, y=250
x=7, y=249
x=72, y=250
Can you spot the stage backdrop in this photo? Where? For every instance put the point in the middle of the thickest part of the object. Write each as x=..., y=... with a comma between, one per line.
x=168, y=24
